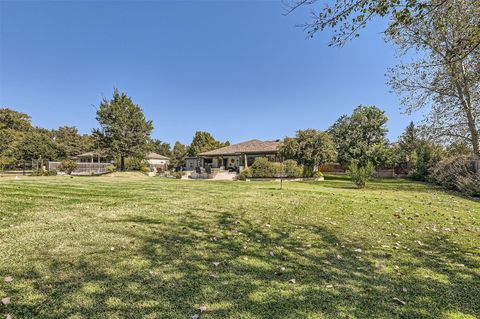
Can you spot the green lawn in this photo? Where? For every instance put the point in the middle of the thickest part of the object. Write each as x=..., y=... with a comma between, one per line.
x=113, y=247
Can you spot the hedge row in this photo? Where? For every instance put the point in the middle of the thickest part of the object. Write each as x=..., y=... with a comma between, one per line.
x=263, y=168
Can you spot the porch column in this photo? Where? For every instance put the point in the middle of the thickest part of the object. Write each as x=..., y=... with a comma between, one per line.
x=245, y=158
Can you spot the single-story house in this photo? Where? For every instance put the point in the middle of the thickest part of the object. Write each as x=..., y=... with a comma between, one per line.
x=236, y=156
x=157, y=161
x=191, y=162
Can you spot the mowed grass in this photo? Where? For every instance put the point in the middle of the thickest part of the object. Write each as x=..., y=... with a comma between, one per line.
x=113, y=247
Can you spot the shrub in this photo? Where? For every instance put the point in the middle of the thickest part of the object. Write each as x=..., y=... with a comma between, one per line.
x=318, y=174
x=178, y=175
x=38, y=172
x=424, y=158
x=308, y=171
x=144, y=169
x=263, y=168
x=68, y=166
x=246, y=173
x=111, y=168
x=135, y=164
x=42, y=172
x=360, y=174
x=456, y=173
x=51, y=172
x=292, y=169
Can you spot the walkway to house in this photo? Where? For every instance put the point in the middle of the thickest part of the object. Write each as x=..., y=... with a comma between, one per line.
x=225, y=175
x=222, y=175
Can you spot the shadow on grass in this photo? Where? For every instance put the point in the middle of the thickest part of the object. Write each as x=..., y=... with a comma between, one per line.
x=168, y=269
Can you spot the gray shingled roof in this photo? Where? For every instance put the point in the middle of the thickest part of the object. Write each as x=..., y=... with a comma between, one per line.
x=248, y=147
x=156, y=156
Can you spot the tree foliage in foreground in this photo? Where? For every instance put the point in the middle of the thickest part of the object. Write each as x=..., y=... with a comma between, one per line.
x=444, y=77
x=125, y=132
x=346, y=18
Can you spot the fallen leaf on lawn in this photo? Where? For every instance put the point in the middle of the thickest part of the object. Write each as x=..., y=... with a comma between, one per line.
x=8, y=317
x=404, y=289
x=358, y=250
x=195, y=316
x=8, y=279
x=292, y=281
x=6, y=301
x=339, y=257
x=216, y=263
x=202, y=308
x=271, y=254
x=112, y=248
x=329, y=286
x=403, y=303
x=418, y=242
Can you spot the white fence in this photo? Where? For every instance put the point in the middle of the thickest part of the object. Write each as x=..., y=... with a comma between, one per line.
x=83, y=168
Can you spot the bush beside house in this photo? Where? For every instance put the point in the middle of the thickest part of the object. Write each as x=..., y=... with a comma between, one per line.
x=263, y=168
x=68, y=166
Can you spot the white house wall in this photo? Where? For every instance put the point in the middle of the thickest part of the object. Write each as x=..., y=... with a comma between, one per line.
x=157, y=162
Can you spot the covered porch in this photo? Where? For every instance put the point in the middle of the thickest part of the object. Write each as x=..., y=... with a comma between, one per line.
x=233, y=162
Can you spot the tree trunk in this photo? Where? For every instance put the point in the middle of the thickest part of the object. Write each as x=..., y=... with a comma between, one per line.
x=463, y=91
x=474, y=133
x=122, y=163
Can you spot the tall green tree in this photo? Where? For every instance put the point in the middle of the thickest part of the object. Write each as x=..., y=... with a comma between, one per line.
x=18, y=121
x=179, y=153
x=124, y=132
x=70, y=142
x=37, y=145
x=160, y=147
x=13, y=128
x=309, y=148
x=359, y=136
x=406, y=146
x=204, y=142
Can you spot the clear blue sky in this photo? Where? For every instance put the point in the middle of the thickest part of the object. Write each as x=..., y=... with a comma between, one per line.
x=239, y=70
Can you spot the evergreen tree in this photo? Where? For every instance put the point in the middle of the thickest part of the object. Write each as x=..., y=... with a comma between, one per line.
x=179, y=153
x=204, y=142
x=125, y=132
x=160, y=147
